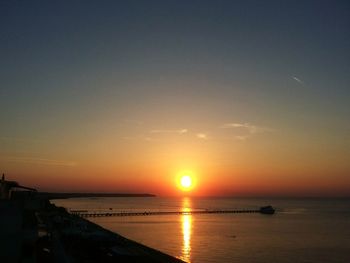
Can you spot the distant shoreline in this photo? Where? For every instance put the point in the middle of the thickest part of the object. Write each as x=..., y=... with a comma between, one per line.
x=77, y=195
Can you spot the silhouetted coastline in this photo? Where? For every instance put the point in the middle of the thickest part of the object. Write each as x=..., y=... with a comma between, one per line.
x=34, y=230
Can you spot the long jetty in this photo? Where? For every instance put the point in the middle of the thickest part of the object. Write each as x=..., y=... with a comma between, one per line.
x=263, y=210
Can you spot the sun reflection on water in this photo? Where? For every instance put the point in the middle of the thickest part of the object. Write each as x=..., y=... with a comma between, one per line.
x=186, y=220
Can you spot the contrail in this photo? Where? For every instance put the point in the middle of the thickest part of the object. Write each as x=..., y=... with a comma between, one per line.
x=298, y=80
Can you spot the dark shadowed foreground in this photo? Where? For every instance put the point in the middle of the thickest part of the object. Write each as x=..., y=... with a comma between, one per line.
x=33, y=230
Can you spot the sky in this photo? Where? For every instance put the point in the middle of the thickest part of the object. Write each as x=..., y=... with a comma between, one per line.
x=250, y=97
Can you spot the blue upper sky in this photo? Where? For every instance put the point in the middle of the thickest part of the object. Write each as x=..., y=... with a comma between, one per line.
x=68, y=66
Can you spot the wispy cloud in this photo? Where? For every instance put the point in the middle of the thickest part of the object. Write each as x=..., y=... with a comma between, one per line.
x=181, y=131
x=242, y=138
x=202, y=136
x=252, y=129
x=248, y=129
x=141, y=137
x=41, y=161
x=298, y=80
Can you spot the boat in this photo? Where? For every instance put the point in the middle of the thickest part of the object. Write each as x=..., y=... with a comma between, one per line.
x=267, y=210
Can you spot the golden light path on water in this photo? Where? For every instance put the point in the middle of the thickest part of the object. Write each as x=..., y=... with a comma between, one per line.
x=186, y=230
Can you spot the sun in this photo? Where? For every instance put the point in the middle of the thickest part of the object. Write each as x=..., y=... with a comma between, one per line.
x=186, y=181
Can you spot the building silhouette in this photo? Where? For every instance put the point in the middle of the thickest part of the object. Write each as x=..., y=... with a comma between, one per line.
x=6, y=188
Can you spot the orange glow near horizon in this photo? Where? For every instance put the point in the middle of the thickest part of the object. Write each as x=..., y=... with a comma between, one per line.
x=207, y=180
x=216, y=169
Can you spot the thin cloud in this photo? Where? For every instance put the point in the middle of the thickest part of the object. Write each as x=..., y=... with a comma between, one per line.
x=252, y=129
x=248, y=129
x=42, y=161
x=242, y=138
x=202, y=136
x=181, y=131
x=134, y=138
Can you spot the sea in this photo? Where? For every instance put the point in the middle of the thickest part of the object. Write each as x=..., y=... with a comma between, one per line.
x=302, y=229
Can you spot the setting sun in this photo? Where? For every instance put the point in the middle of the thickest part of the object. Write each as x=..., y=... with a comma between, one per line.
x=186, y=181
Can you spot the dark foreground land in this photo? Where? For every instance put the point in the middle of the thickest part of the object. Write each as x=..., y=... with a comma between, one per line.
x=34, y=230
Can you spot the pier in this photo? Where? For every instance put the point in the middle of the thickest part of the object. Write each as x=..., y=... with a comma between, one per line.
x=263, y=210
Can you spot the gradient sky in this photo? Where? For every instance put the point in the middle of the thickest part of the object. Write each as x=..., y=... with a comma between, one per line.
x=252, y=97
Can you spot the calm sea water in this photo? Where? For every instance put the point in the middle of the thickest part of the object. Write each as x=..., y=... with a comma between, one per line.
x=302, y=230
